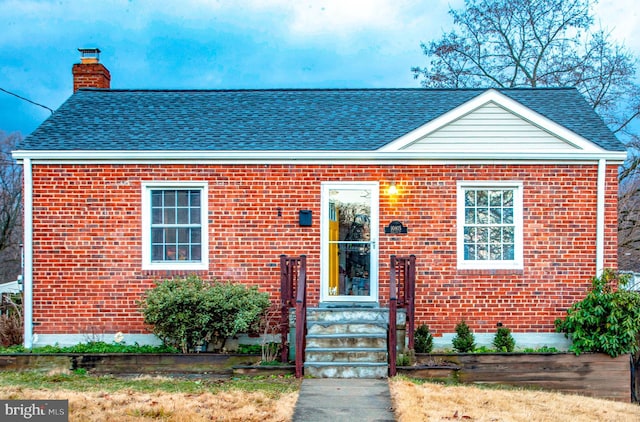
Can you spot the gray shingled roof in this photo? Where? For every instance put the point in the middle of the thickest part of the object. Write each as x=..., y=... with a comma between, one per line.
x=268, y=120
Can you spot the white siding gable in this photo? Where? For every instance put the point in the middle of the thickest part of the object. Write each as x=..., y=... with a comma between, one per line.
x=492, y=123
x=491, y=127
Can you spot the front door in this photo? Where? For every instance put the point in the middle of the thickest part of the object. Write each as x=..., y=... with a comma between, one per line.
x=349, y=224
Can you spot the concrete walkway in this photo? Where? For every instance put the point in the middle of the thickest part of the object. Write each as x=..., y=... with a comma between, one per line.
x=340, y=399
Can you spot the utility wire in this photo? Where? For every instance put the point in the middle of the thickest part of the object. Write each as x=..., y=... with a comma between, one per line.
x=26, y=99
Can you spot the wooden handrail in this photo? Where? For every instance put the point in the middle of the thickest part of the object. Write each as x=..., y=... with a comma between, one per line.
x=288, y=281
x=402, y=290
x=393, y=310
x=301, y=317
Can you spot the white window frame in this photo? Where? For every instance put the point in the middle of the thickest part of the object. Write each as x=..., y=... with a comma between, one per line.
x=147, y=263
x=517, y=262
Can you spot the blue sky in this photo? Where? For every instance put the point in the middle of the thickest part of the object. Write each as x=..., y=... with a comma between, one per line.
x=207, y=44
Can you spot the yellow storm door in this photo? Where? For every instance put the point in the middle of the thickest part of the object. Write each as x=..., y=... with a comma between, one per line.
x=349, y=223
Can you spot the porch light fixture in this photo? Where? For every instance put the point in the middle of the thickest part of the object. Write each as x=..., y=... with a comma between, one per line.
x=392, y=188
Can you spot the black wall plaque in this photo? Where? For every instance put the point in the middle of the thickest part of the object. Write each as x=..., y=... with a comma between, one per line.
x=395, y=227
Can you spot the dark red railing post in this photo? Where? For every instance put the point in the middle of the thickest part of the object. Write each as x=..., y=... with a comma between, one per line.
x=301, y=317
x=410, y=286
x=393, y=309
x=285, y=296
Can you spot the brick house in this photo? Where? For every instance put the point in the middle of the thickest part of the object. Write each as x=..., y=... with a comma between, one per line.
x=506, y=197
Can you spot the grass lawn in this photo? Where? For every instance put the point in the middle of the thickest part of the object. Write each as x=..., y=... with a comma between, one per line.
x=106, y=398
x=415, y=401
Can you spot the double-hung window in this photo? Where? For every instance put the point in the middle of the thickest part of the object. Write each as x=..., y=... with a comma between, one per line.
x=174, y=226
x=489, y=225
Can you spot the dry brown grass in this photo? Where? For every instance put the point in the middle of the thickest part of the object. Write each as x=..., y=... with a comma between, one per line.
x=128, y=406
x=433, y=402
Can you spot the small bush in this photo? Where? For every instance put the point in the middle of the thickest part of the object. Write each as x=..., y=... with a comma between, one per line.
x=464, y=341
x=607, y=320
x=423, y=340
x=249, y=349
x=403, y=360
x=11, y=322
x=188, y=312
x=503, y=341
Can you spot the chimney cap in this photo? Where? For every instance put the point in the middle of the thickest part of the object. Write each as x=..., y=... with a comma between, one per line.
x=89, y=55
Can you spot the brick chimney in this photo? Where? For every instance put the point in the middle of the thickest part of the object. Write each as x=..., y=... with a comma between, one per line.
x=90, y=73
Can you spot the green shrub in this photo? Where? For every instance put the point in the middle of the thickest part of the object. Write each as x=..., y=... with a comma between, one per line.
x=249, y=349
x=188, y=312
x=11, y=322
x=464, y=341
x=403, y=360
x=503, y=341
x=423, y=340
x=91, y=347
x=607, y=320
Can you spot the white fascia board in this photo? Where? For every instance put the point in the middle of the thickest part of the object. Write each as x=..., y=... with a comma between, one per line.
x=298, y=157
x=491, y=95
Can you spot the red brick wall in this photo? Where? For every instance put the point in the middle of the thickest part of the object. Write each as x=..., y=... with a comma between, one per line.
x=87, y=239
x=90, y=75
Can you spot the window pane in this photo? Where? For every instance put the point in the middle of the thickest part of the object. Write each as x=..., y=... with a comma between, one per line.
x=482, y=198
x=183, y=236
x=170, y=253
x=488, y=228
x=156, y=216
x=469, y=215
x=172, y=210
x=483, y=216
x=482, y=252
x=183, y=216
x=509, y=252
x=507, y=215
x=195, y=198
x=496, y=235
x=495, y=216
x=469, y=234
x=507, y=198
x=157, y=253
x=183, y=198
x=196, y=253
x=495, y=252
x=469, y=252
x=507, y=235
x=470, y=198
x=156, y=198
x=495, y=198
x=157, y=236
x=183, y=253
x=195, y=215
x=169, y=198
x=482, y=235
x=170, y=236
x=169, y=216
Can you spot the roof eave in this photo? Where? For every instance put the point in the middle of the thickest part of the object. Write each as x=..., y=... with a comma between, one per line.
x=311, y=156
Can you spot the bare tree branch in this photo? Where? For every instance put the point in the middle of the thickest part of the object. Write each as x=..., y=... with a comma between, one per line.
x=536, y=43
x=10, y=209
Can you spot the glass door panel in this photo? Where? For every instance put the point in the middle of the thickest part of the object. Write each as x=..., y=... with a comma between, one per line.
x=351, y=235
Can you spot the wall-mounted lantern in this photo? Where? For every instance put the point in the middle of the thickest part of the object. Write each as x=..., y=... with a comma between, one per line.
x=392, y=190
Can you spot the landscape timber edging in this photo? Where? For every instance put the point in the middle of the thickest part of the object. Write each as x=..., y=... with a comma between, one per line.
x=589, y=374
x=169, y=364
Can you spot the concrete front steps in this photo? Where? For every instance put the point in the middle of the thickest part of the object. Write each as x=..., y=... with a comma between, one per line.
x=346, y=343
